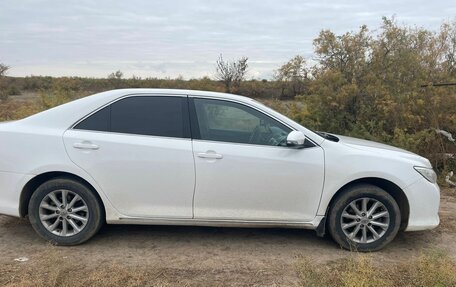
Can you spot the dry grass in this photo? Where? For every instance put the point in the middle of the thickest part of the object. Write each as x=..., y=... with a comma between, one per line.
x=357, y=270
x=56, y=269
x=430, y=269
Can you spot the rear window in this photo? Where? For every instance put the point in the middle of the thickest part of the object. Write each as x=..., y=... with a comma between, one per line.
x=155, y=116
x=99, y=121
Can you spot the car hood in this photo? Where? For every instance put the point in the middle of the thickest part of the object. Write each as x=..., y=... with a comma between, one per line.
x=379, y=148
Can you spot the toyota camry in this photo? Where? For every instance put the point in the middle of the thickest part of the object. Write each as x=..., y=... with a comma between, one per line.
x=181, y=157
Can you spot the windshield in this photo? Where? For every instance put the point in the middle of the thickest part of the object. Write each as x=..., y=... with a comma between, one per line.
x=320, y=134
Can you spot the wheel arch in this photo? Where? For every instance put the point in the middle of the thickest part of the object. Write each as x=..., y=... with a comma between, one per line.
x=390, y=187
x=35, y=182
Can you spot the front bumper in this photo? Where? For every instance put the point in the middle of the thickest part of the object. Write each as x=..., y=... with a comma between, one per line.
x=424, y=202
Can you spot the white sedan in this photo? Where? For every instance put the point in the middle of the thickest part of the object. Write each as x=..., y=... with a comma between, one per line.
x=180, y=157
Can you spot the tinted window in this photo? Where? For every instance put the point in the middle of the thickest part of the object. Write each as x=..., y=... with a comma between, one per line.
x=99, y=121
x=232, y=122
x=157, y=116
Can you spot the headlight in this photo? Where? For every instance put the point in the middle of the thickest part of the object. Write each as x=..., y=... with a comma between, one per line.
x=427, y=173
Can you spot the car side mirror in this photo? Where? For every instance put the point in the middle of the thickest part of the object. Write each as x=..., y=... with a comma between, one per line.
x=296, y=139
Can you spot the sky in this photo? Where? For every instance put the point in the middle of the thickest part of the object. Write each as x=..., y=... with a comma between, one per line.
x=184, y=38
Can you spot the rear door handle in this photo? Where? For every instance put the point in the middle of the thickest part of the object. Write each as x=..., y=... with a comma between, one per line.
x=86, y=145
x=210, y=155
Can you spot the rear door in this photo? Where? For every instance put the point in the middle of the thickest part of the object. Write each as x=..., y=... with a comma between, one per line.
x=138, y=149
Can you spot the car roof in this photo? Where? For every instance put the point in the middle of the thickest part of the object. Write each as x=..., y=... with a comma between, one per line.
x=181, y=92
x=66, y=115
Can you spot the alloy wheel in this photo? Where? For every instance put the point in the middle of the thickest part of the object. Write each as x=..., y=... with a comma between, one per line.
x=63, y=212
x=365, y=220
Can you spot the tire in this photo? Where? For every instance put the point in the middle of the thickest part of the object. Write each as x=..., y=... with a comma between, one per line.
x=344, y=219
x=72, y=224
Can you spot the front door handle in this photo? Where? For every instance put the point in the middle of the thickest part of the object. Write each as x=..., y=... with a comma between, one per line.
x=86, y=145
x=210, y=155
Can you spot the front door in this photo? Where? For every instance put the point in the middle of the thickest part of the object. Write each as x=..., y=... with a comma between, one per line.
x=245, y=171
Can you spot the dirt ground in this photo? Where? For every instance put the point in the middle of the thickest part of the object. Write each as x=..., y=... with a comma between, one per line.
x=196, y=256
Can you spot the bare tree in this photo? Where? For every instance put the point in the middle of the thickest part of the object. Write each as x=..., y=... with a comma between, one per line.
x=231, y=73
x=3, y=93
x=116, y=75
x=115, y=79
x=3, y=69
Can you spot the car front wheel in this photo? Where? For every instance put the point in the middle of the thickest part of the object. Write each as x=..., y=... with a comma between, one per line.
x=65, y=212
x=364, y=218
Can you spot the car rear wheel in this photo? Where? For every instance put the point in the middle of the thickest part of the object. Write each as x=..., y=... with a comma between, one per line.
x=65, y=212
x=364, y=218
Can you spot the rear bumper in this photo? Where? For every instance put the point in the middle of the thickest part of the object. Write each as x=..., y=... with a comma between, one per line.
x=11, y=185
x=424, y=202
